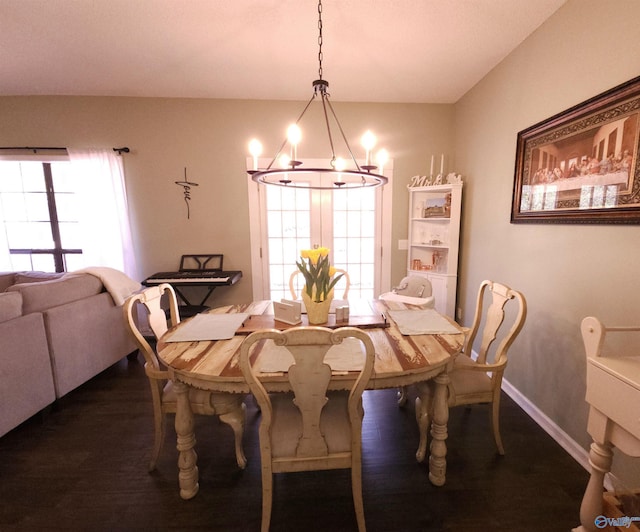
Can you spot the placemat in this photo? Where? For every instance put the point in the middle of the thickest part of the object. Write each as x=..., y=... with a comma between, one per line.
x=427, y=321
x=208, y=327
x=347, y=356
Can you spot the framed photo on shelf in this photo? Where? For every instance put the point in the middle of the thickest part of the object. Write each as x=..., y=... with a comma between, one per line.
x=582, y=165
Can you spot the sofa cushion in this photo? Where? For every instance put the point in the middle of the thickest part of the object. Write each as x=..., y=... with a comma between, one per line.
x=37, y=297
x=10, y=305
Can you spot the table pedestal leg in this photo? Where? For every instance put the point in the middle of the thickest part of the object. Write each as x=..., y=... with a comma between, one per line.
x=424, y=415
x=600, y=459
x=187, y=457
x=437, y=459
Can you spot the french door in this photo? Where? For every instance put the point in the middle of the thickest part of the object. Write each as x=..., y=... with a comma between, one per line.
x=354, y=223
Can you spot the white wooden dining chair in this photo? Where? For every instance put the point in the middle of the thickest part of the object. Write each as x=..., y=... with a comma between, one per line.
x=311, y=428
x=295, y=290
x=229, y=407
x=479, y=380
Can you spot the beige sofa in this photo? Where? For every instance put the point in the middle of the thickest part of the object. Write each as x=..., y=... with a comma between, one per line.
x=56, y=332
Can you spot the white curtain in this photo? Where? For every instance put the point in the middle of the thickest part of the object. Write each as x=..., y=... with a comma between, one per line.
x=106, y=239
x=5, y=259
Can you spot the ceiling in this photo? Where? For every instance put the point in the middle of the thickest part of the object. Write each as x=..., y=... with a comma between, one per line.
x=414, y=51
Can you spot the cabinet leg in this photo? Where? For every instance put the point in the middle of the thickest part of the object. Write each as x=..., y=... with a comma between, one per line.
x=600, y=458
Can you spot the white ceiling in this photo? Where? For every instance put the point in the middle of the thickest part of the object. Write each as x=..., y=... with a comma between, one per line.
x=420, y=51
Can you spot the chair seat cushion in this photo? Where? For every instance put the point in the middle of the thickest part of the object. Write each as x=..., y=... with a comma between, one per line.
x=286, y=428
x=469, y=382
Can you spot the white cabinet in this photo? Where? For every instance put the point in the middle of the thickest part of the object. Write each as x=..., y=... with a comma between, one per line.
x=434, y=235
x=613, y=393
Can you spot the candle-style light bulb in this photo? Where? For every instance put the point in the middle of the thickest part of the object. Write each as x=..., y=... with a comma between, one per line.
x=284, y=160
x=294, y=134
x=255, y=149
x=382, y=157
x=368, y=141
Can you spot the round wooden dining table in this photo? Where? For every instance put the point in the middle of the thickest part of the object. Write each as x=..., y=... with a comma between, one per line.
x=400, y=360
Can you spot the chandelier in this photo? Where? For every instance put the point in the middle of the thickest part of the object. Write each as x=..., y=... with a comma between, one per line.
x=285, y=167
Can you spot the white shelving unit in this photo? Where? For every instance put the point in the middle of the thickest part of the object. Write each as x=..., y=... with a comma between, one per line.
x=434, y=236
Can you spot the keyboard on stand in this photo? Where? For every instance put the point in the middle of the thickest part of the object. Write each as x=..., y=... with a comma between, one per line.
x=210, y=279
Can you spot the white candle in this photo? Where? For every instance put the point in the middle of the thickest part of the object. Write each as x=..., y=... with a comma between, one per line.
x=368, y=142
x=255, y=149
x=293, y=136
x=442, y=164
x=431, y=166
x=381, y=158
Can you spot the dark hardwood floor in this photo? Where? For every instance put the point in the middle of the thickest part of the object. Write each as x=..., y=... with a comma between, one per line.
x=83, y=466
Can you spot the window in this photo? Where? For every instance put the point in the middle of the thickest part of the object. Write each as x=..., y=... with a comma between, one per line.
x=64, y=212
x=348, y=221
x=39, y=212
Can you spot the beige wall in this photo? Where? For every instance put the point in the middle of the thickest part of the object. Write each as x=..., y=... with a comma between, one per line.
x=567, y=272
x=210, y=138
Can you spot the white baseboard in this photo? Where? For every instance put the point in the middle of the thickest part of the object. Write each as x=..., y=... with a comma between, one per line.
x=578, y=453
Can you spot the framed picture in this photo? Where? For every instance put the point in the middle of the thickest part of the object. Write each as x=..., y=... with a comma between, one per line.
x=581, y=166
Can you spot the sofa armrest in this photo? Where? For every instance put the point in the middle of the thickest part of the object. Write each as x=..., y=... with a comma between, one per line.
x=85, y=337
x=26, y=379
x=10, y=305
x=6, y=280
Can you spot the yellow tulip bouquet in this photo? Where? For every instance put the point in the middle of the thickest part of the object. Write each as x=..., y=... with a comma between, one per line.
x=318, y=273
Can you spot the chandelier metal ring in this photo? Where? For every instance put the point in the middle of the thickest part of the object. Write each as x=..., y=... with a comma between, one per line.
x=281, y=177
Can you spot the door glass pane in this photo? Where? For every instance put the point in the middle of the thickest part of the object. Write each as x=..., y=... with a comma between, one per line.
x=288, y=231
x=354, y=242
x=339, y=223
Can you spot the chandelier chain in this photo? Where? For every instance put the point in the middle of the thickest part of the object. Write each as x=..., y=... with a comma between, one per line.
x=320, y=39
